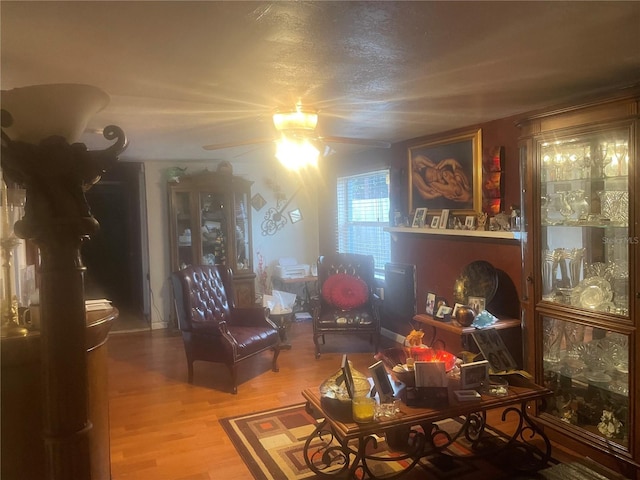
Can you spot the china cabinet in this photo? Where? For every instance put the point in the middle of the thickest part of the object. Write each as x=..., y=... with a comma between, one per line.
x=210, y=223
x=580, y=279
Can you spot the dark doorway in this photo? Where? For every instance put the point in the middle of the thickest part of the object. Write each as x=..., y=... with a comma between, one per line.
x=113, y=256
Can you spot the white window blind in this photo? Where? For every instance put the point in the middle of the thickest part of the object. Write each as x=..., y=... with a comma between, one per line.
x=363, y=212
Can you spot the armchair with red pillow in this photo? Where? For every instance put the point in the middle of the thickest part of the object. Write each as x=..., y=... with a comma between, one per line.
x=347, y=302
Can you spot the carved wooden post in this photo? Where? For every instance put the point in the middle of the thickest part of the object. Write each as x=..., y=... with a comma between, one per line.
x=57, y=218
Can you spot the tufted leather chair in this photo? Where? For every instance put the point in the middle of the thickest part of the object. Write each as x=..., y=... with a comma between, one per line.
x=213, y=329
x=328, y=318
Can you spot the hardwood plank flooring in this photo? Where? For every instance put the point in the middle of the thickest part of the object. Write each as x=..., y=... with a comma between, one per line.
x=162, y=428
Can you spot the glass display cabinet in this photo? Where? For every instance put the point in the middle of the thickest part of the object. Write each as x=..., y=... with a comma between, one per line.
x=580, y=255
x=210, y=223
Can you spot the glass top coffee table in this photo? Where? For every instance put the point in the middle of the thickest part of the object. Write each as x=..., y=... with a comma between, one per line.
x=338, y=446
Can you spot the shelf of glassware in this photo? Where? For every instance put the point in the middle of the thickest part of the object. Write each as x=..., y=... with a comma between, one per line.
x=586, y=266
x=587, y=368
x=585, y=237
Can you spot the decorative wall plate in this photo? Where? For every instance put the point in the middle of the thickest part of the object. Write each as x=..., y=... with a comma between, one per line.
x=478, y=279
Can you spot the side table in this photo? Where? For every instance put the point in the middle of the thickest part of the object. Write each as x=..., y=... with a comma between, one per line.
x=301, y=286
x=283, y=322
x=457, y=338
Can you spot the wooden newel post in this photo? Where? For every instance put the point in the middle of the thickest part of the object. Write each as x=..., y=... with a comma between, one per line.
x=57, y=218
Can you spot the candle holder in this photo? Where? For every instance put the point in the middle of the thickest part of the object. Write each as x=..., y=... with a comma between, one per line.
x=10, y=319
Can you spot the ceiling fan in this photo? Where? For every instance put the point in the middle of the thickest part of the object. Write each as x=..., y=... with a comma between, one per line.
x=299, y=125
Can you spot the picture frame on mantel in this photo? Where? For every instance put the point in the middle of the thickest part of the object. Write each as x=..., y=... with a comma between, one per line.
x=446, y=173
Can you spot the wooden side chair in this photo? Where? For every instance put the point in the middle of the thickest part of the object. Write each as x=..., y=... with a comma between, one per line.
x=346, y=302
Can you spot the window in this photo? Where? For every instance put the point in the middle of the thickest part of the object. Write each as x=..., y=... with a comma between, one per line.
x=363, y=212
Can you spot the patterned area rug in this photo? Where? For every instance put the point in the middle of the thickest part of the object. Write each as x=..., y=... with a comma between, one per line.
x=271, y=444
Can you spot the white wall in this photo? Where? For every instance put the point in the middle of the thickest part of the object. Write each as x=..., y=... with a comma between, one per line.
x=298, y=240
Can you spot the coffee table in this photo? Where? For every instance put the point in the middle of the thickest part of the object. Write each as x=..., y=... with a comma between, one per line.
x=338, y=448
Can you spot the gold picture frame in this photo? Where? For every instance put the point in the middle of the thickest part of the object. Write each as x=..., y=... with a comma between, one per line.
x=446, y=173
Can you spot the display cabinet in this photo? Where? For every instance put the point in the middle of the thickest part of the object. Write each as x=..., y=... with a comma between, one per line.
x=210, y=223
x=580, y=252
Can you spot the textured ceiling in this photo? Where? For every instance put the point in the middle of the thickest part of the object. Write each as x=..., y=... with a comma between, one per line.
x=185, y=74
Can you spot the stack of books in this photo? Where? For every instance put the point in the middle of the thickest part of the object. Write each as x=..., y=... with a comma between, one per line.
x=99, y=304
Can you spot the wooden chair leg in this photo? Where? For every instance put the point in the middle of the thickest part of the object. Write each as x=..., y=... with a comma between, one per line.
x=274, y=362
x=315, y=342
x=234, y=378
x=190, y=371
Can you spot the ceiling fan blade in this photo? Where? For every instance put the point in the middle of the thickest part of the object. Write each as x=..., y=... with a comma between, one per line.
x=220, y=146
x=357, y=141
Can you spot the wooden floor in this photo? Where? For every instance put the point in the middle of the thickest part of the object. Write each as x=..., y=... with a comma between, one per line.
x=164, y=428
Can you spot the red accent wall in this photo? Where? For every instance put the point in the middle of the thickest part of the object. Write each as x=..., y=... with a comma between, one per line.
x=438, y=259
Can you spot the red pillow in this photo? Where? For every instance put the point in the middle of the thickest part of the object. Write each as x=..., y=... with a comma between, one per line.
x=345, y=291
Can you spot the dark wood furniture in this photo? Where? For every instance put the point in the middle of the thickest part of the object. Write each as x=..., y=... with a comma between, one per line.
x=213, y=328
x=283, y=321
x=210, y=223
x=328, y=318
x=454, y=338
x=582, y=291
x=23, y=450
x=352, y=456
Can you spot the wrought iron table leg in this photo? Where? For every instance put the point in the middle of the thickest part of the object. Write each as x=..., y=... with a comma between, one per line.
x=331, y=457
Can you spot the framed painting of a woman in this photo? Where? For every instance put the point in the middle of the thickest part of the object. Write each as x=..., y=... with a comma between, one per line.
x=446, y=173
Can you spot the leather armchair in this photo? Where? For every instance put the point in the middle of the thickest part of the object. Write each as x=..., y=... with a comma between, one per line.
x=213, y=328
x=337, y=315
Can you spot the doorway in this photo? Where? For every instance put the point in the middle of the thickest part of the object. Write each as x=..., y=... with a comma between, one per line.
x=116, y=257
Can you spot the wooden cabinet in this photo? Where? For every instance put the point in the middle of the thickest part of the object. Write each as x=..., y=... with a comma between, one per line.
x=580, y=291
x=210, y=223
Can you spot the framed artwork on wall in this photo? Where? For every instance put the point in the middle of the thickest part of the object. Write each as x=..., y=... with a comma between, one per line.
x=446, y=173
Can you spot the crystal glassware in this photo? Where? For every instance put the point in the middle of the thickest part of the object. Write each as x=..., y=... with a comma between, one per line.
x=614, y=205
x=550, y=262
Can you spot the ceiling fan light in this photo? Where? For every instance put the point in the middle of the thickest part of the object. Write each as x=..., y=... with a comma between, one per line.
x=295, y=155
x=296, y=120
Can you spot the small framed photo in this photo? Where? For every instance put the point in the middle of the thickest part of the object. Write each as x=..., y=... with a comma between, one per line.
x=455, y=309
x=443, y=312
x=477, y=303
x=435, y=221
x=419, y=217
x=474, y=375
x=381, y=382
x=430, y=374
x=470, y=222
x=431, y=303
x=493, y=348
x=347, y=376
x=444, y=218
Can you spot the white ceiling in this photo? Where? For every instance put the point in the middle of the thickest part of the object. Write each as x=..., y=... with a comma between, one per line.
x=185, y=74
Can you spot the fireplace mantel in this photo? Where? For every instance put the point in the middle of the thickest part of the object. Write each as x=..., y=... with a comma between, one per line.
x=503, y=235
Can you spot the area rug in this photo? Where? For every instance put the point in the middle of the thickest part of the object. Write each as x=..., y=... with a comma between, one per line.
x=271, y=445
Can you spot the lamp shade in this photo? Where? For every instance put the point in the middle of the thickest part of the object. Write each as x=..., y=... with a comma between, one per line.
x=295, y=120
x=40, y=111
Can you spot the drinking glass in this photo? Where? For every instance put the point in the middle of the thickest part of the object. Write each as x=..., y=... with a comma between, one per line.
x=553, y=330
x=549, y=271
